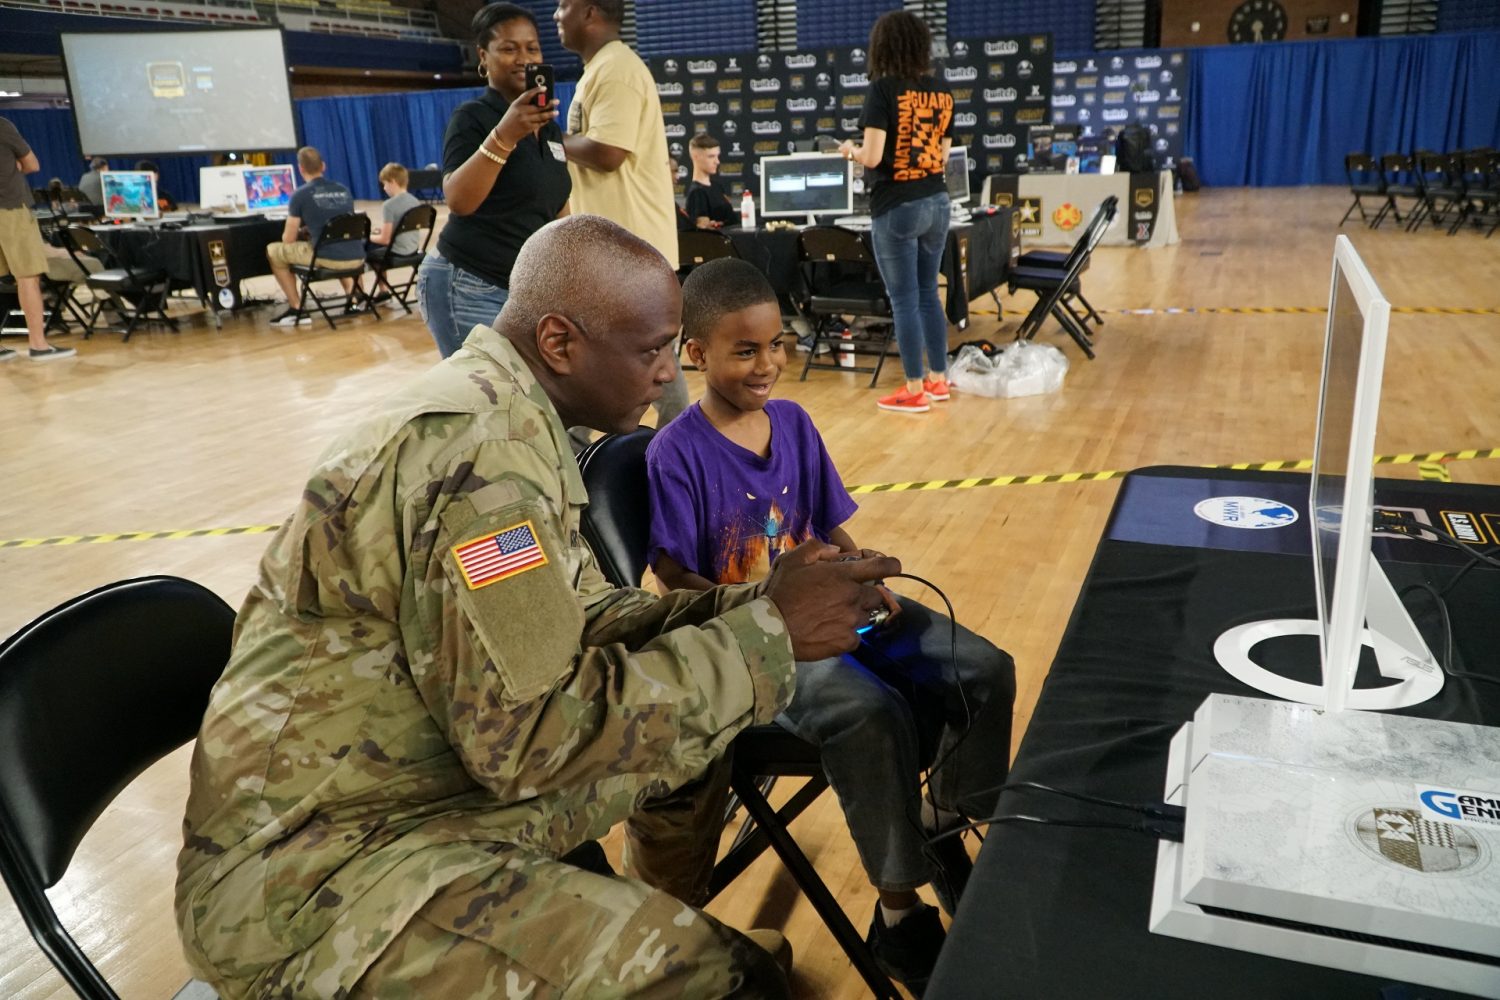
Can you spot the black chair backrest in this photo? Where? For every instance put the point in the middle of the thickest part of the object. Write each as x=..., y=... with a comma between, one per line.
x=91, y=694
x=697, y=246
x=343, y=229
x=617, y=521
x=832, y=244
x=1093, y=232
x=1361, y=168
x=1393, y=165
x=413, y=220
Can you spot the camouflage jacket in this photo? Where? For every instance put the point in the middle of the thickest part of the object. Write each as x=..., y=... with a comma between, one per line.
x=400, y=697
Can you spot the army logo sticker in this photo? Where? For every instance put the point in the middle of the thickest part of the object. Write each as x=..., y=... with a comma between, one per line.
x=499, y=555
x=1067, y=217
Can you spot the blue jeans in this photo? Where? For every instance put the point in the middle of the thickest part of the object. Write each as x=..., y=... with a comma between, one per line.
x=453, y=301
x=892, y=707
x=878, y=716
x=908, y=243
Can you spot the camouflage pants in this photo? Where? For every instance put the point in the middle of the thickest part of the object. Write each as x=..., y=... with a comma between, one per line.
x=672, y=841
x=540, y=929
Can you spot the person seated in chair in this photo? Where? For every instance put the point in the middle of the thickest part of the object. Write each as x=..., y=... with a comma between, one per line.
x=317, y=201
x=434, y=698
x=708, y=202
x=398, y=201
x=164, y=201
x=736, y=482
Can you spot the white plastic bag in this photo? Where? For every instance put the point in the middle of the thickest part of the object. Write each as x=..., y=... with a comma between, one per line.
x=1021, y=369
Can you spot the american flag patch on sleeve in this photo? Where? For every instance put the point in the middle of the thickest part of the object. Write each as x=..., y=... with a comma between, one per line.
x=493, y=557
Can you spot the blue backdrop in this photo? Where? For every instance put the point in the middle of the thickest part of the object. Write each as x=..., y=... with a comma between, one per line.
x=356, y=135
x=1273, y=115
x=1258, y=115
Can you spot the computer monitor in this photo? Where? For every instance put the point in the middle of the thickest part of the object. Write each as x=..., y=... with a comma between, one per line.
x=956, y=174
x=1354, y=596
x=130, y=194
x=806, y=184
x=269, y=187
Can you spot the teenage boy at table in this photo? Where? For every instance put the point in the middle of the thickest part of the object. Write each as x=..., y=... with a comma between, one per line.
x=740, y=478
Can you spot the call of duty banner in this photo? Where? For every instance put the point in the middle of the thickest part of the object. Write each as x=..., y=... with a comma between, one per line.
x=762, y=104
x=1102, y=93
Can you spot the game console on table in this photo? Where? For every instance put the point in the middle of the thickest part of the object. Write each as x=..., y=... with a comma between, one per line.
x=1358, y=841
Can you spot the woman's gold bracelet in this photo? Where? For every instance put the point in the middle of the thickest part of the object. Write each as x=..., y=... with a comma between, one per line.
x=491, y=156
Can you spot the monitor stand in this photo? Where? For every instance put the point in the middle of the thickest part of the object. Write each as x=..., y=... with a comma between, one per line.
x=1400, y=653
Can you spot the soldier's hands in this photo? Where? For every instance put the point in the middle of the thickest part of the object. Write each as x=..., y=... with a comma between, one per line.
x=823, y=599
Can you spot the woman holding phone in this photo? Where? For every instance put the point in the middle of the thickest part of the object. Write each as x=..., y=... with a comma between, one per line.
x=504, y=177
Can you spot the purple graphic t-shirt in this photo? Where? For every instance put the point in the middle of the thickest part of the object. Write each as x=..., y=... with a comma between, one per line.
x=725, y=513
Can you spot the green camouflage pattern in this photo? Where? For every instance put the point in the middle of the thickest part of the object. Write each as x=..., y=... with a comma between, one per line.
x=387, y=743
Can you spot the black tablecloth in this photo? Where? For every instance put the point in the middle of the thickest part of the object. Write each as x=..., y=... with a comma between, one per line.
x=976, y=260
x=189, y=255
x=1063, y=913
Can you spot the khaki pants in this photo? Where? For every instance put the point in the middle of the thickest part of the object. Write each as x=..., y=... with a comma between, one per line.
x=284, y=255
x=22, y=252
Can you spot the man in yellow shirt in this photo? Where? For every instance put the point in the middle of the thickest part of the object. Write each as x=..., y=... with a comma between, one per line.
x=617, y=144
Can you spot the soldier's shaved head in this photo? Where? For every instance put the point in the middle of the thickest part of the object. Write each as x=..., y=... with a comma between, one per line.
x=594, y=311
x=583, y=267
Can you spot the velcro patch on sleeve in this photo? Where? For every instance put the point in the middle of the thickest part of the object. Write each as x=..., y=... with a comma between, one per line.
x=499, y=555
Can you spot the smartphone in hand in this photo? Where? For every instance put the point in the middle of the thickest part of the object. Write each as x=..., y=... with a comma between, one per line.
x=544, y=76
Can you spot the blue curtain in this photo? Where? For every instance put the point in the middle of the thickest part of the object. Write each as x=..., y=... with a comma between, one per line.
x=356, y=135
x=1286, y=114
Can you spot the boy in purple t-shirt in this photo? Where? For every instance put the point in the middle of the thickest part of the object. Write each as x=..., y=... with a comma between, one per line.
x=738, y=479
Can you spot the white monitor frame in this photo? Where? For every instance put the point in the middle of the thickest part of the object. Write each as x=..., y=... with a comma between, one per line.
x=1363, y=609
x=957, y=153
x=110, y=177
x=833, y=159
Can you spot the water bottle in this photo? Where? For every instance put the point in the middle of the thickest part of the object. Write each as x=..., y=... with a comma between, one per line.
x=747, y=211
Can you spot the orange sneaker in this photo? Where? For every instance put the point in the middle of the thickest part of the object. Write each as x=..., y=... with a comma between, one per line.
x=903, y=401
x=937, y=390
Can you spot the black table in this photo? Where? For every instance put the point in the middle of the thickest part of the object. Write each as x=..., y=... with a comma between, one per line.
x=977, y=259
x=210, y=258
x=1062, y=913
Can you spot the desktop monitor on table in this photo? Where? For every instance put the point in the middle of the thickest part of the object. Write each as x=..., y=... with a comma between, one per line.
x=269, y=187
x=130, y=194
x=806, y=184
x=1355, y=600
x=956, y=175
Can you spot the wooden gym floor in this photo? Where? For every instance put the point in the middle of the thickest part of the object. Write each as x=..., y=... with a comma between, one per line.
x=217, y=428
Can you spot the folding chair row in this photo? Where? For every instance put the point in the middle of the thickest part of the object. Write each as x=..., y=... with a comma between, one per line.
x=354, y=229
x=1437, y=187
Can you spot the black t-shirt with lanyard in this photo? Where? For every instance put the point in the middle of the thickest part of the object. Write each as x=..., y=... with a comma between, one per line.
x=917, y=115
x=532, y=188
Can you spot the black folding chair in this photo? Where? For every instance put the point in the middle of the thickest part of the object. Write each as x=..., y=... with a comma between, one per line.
x=1397, y=171
x=1440, y=190
x=1365, y=181
x=353, y=228
x=91, y=694
x=137, y=294
x=1481, y=187
x=1057, y=260
x=617, y=526
x=1057, y=287
x=842, y=283
x=423, y=218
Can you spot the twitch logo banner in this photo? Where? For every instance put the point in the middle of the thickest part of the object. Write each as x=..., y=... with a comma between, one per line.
x=1001, y=86
x=1103, y=92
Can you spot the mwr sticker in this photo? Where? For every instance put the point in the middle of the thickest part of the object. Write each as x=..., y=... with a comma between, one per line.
x=1245, y=512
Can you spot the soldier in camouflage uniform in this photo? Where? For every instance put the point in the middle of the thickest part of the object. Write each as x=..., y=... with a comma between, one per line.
x=434, y=693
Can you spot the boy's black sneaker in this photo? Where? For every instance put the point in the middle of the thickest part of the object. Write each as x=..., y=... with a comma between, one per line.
x=908, y=951
x=292, y=318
